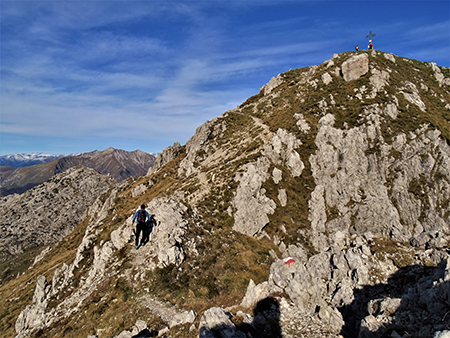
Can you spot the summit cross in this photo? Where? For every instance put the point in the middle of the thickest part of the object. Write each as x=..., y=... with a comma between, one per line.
x=370, y=36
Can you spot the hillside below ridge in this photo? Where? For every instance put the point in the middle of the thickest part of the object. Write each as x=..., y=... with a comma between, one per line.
x=47, y=213
x=339, y=170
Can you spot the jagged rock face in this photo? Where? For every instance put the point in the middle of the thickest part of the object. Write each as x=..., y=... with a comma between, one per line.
x=356, y=185
x=250, y=202
x=165, y=246
x=365, y=186
x=167, y=155
x=273, y=83
x=104, y=266
x=50, y=211
x=168, y=237
x=330, y=282
x=252, y=206
x=199, y=140
x=32, y=315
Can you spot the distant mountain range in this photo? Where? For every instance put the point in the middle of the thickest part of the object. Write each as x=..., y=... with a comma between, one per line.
x=28, y=159
x=16, y=177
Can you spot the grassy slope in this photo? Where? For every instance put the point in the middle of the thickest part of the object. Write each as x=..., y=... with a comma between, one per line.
x=32, y=175
x=17, y=293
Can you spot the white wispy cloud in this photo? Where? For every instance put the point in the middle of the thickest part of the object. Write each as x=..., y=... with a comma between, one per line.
x=67, y=73
x=437, y=31
x=111, y=69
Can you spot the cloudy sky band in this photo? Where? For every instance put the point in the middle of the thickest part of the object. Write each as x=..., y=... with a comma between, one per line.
x=113, y=70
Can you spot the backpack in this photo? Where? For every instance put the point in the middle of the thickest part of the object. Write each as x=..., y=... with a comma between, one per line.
x=141, y=216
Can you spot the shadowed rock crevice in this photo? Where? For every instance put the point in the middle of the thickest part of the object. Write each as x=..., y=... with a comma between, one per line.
x=414, y=302
x=265, y=322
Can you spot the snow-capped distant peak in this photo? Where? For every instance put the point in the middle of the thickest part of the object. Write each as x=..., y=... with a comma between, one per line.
x=28, y=156
x=27, y=159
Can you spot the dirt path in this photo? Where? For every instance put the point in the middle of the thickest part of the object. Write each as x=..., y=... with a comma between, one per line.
x=167, y=312
x=160, y=309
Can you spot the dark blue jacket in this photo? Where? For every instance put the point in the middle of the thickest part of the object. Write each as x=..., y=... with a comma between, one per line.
x=136, y=215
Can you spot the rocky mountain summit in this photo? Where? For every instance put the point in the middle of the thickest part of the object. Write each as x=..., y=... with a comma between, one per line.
x=320, y=207
x=117, y=163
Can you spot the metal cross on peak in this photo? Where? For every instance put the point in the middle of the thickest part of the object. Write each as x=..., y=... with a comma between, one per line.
x=370, y=36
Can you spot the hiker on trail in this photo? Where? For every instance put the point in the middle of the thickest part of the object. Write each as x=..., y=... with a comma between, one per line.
x=357, y=48
x=149, y=225
x=141, y=225
x=370, y=45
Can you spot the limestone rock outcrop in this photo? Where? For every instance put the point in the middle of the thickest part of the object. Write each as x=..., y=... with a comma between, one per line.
x=167, y=155
x=103, y=266
x=350, y=181
x=273, y=83
x=32, y=315
x=252, y=206
x=50, y=211
x=167, y=238
x=355, y=67
x=198, y=142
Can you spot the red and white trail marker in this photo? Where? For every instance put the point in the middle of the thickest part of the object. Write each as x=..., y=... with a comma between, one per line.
x=289, y=260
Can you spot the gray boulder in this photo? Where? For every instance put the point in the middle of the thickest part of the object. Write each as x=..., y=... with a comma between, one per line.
x=355, y=67
x=255, y=293
x=251, y=203
x=216, y=323
x=167, y=238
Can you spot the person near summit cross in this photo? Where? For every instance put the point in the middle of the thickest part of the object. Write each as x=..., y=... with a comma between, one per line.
x=141, y=217
x=357, y=48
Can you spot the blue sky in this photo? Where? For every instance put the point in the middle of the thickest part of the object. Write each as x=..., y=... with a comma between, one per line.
x=83, y=75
